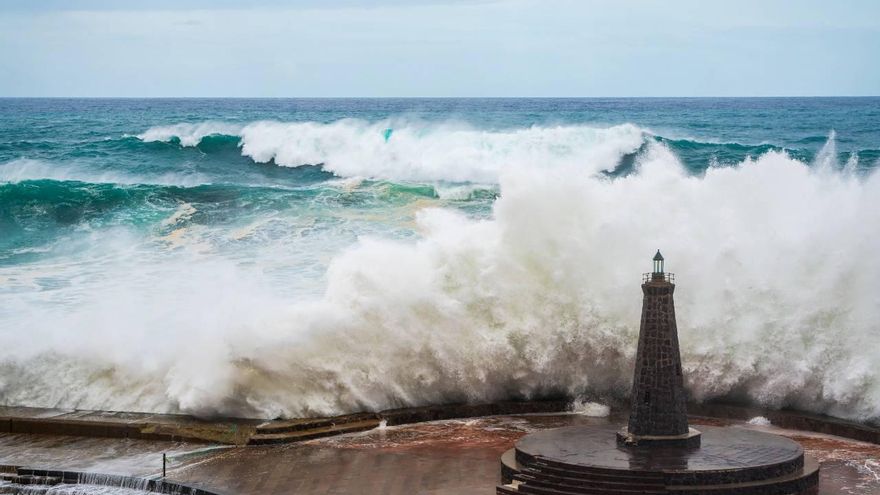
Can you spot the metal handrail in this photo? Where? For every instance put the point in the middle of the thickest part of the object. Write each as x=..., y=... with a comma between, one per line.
x=662, y=276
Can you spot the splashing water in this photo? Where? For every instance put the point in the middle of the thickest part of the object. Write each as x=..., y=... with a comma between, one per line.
x=591, y=409
x=410, y=298
x=418, y=152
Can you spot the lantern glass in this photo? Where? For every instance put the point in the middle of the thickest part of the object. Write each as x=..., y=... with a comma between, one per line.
x=658, y=262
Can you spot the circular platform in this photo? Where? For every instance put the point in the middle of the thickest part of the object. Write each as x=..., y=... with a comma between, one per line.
x=588, y=459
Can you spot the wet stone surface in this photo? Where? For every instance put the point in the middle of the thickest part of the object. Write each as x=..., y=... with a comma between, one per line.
x=727, y=455
x=439, y=458
x=103, y=455
x=722, y=448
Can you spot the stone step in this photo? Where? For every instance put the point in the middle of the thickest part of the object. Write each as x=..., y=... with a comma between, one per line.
x=800, y=482
x=286, y=426
x=598, y=474
x=623, y=486
x=528, y=481
x=543, y=462
x=533, y=489
x=28, y=479
x=621, y=477
x=319, y=432
x=587, y=488
x=508, y=489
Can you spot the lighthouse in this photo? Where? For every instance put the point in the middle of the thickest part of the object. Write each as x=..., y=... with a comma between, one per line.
x=656, y=452
x=658, y=409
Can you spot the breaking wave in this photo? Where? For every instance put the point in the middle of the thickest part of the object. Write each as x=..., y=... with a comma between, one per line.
x=412, y=152
x=453, y=152
x=776, y=260
x=28, y=169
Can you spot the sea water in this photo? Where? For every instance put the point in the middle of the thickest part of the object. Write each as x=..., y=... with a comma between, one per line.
x=299, y=257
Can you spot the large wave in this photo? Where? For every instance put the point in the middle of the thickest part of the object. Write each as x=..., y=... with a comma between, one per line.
x=777, y=300
x=417, y=152
x=407, y=150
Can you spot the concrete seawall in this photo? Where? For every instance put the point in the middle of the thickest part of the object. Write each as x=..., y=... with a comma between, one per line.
x=112, y=424
x=240, y=431
x=29, y=476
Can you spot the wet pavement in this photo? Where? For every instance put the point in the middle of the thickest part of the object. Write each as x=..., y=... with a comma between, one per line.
x=457, y=457
x=721, y=449
x=100, y=455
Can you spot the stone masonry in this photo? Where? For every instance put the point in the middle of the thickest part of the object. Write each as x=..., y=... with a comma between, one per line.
x=658, y=395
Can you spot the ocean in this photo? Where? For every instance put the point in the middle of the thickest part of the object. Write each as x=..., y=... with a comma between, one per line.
x=295, y=257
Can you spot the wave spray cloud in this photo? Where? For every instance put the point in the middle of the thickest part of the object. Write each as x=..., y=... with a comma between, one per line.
x=310, y=265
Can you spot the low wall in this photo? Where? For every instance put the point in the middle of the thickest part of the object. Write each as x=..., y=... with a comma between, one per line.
x=237, y=431
x=789, y=419
x=27, y=476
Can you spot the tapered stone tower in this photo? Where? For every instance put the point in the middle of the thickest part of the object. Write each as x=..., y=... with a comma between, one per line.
x=658, y=412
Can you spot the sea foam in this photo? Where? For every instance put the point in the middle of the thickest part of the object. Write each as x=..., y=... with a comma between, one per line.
x=777, y=298
x=417, y=151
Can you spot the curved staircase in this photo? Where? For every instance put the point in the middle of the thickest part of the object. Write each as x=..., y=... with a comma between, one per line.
x=528, y=475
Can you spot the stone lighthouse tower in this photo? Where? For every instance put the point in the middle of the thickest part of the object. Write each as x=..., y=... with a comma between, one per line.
x=657, y=452
x=658, y=412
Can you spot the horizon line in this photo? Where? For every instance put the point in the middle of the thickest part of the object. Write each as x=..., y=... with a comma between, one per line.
x=425, y=97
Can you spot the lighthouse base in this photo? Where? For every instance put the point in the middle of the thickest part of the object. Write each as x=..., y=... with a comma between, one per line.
x=589, y=460
x=691, y=439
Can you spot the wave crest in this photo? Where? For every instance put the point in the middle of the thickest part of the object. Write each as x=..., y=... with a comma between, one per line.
x=189, y=134
x=418, y=152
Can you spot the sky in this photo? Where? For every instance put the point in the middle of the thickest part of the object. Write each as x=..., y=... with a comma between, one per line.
x=410, y=48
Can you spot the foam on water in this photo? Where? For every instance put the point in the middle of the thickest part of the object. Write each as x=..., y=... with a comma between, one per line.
x=417, y=151
x=25, y=169
x=759, y=421
x=189, y=134
x=69, y=489
x=591, y=409
x=776, y=261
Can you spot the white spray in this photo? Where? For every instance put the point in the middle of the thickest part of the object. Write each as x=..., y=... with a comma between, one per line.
x=778, y=301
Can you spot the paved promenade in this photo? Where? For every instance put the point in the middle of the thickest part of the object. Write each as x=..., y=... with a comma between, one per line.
x=454, y=457
x=458, y=456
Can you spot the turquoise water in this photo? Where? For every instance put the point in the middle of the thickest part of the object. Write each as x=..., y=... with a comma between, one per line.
x=270, y=234
x=70, y=164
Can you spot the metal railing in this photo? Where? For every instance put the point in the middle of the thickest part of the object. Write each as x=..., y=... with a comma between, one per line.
x=661, y=276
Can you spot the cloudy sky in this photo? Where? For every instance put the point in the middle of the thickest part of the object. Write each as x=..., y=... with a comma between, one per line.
x=439, y=48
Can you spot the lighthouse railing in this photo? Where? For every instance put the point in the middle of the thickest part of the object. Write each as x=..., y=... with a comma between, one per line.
x=661, y=276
